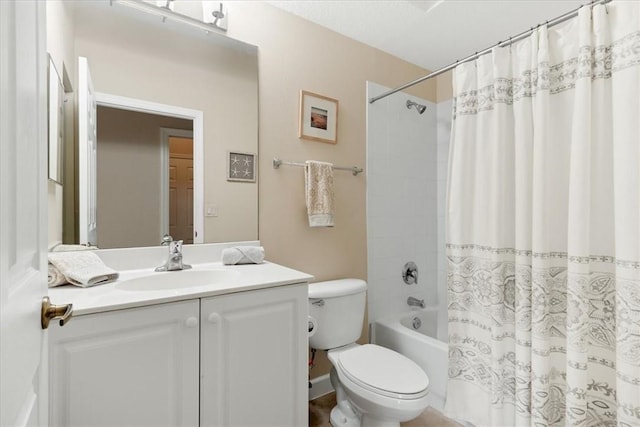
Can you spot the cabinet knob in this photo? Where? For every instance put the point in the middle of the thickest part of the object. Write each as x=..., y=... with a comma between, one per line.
x=214, y=318
x=191, y=322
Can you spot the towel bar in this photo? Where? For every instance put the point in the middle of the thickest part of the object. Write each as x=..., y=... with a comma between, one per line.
x=353, y=169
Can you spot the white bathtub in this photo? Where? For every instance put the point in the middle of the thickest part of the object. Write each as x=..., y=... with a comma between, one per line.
x=420, y=345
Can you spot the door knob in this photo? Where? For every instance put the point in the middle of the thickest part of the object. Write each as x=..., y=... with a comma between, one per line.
x=50, y=311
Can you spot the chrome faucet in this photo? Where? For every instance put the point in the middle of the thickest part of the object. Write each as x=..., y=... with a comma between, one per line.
x=415, y=302
x=174, y=262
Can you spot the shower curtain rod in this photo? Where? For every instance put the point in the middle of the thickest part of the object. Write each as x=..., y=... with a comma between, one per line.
x=513, y=39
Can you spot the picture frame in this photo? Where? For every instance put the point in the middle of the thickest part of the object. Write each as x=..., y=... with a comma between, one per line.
x=241, y=167
x=318, y=118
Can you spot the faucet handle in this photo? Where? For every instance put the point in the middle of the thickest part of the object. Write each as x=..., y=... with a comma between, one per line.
x=410, y=273
x=175, y=246
x=166, y=239
x=412, y=301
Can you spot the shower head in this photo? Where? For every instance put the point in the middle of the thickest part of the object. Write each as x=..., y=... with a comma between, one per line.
x=419, y=107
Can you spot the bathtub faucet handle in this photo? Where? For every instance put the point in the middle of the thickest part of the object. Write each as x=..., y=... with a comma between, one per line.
x=415, y=302
x=410, y=273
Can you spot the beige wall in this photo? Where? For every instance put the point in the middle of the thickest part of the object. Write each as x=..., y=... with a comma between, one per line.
x=60, y=47
x=295, y=54
x=444, y=86
x=129, y=146
x=60, y=29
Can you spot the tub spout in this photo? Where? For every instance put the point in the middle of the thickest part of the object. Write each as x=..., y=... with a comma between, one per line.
x=415, y=302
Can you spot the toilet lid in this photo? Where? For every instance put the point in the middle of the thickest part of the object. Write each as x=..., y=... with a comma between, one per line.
x=384, y=370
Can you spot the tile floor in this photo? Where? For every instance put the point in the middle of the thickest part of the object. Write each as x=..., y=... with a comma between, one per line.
x=320, y=408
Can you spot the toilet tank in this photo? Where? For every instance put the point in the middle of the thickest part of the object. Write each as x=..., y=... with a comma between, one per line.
x=336, y=309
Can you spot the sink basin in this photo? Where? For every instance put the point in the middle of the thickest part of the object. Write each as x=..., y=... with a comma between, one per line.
x=174, y=280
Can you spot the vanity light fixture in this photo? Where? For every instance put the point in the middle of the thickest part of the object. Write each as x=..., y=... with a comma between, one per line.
x=216, y=22
x=215, y=13
x=167, y=4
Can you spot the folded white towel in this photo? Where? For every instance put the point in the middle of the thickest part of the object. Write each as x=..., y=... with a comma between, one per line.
x=243, y=255
x=319, y=195
x=55, y=277
x=63, y=248
x=82, y=268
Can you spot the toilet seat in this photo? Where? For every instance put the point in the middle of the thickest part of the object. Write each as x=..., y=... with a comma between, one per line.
x=383, y=372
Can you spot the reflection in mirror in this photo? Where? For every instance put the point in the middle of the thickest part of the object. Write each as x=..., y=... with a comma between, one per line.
x=56, y=123
x=132, y=54
x=129, y=142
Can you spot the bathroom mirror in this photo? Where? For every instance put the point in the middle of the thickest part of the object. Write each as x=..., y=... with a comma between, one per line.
x=138, y=56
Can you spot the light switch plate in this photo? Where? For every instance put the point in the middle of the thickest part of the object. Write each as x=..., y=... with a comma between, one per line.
x=211, y=210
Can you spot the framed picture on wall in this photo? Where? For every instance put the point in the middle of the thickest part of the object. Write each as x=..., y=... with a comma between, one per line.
x=318, y=118
x=241, y=167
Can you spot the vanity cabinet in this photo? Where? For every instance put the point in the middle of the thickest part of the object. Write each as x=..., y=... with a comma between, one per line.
x=130, y=367
x=253, y=359
x=230, y=360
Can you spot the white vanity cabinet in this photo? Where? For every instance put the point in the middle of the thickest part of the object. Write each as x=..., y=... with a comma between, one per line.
x=253, y=359
x=133, y=367
x=237, y=359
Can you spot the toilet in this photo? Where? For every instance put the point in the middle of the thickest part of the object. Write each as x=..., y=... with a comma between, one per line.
x=375, y=386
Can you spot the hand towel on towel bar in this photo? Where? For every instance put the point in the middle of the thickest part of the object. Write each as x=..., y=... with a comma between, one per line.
x=318, y=188
x=82, y=268
x=243, y=255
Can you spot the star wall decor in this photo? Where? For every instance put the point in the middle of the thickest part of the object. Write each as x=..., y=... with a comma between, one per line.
x=241, y=167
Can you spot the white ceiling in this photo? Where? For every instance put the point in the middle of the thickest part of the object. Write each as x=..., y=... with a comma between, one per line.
x=431, y=34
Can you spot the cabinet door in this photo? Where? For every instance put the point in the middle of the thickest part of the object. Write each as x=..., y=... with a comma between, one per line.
x=134, y=367
x=253, y=358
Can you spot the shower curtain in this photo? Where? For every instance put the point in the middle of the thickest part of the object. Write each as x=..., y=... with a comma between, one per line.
x=543, y=227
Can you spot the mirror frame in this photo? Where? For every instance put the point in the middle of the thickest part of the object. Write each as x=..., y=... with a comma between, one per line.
x=64, y=49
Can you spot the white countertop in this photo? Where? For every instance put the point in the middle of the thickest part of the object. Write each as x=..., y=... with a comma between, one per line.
x=115, y=296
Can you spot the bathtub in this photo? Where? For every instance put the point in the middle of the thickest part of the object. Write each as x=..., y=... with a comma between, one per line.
x=419, y=344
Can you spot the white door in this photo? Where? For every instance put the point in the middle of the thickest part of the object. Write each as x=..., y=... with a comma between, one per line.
x=87, y=155
x=23, y=213
x=181, y=188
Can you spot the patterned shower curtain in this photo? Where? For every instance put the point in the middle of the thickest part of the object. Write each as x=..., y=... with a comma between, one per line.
x=543, y=227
